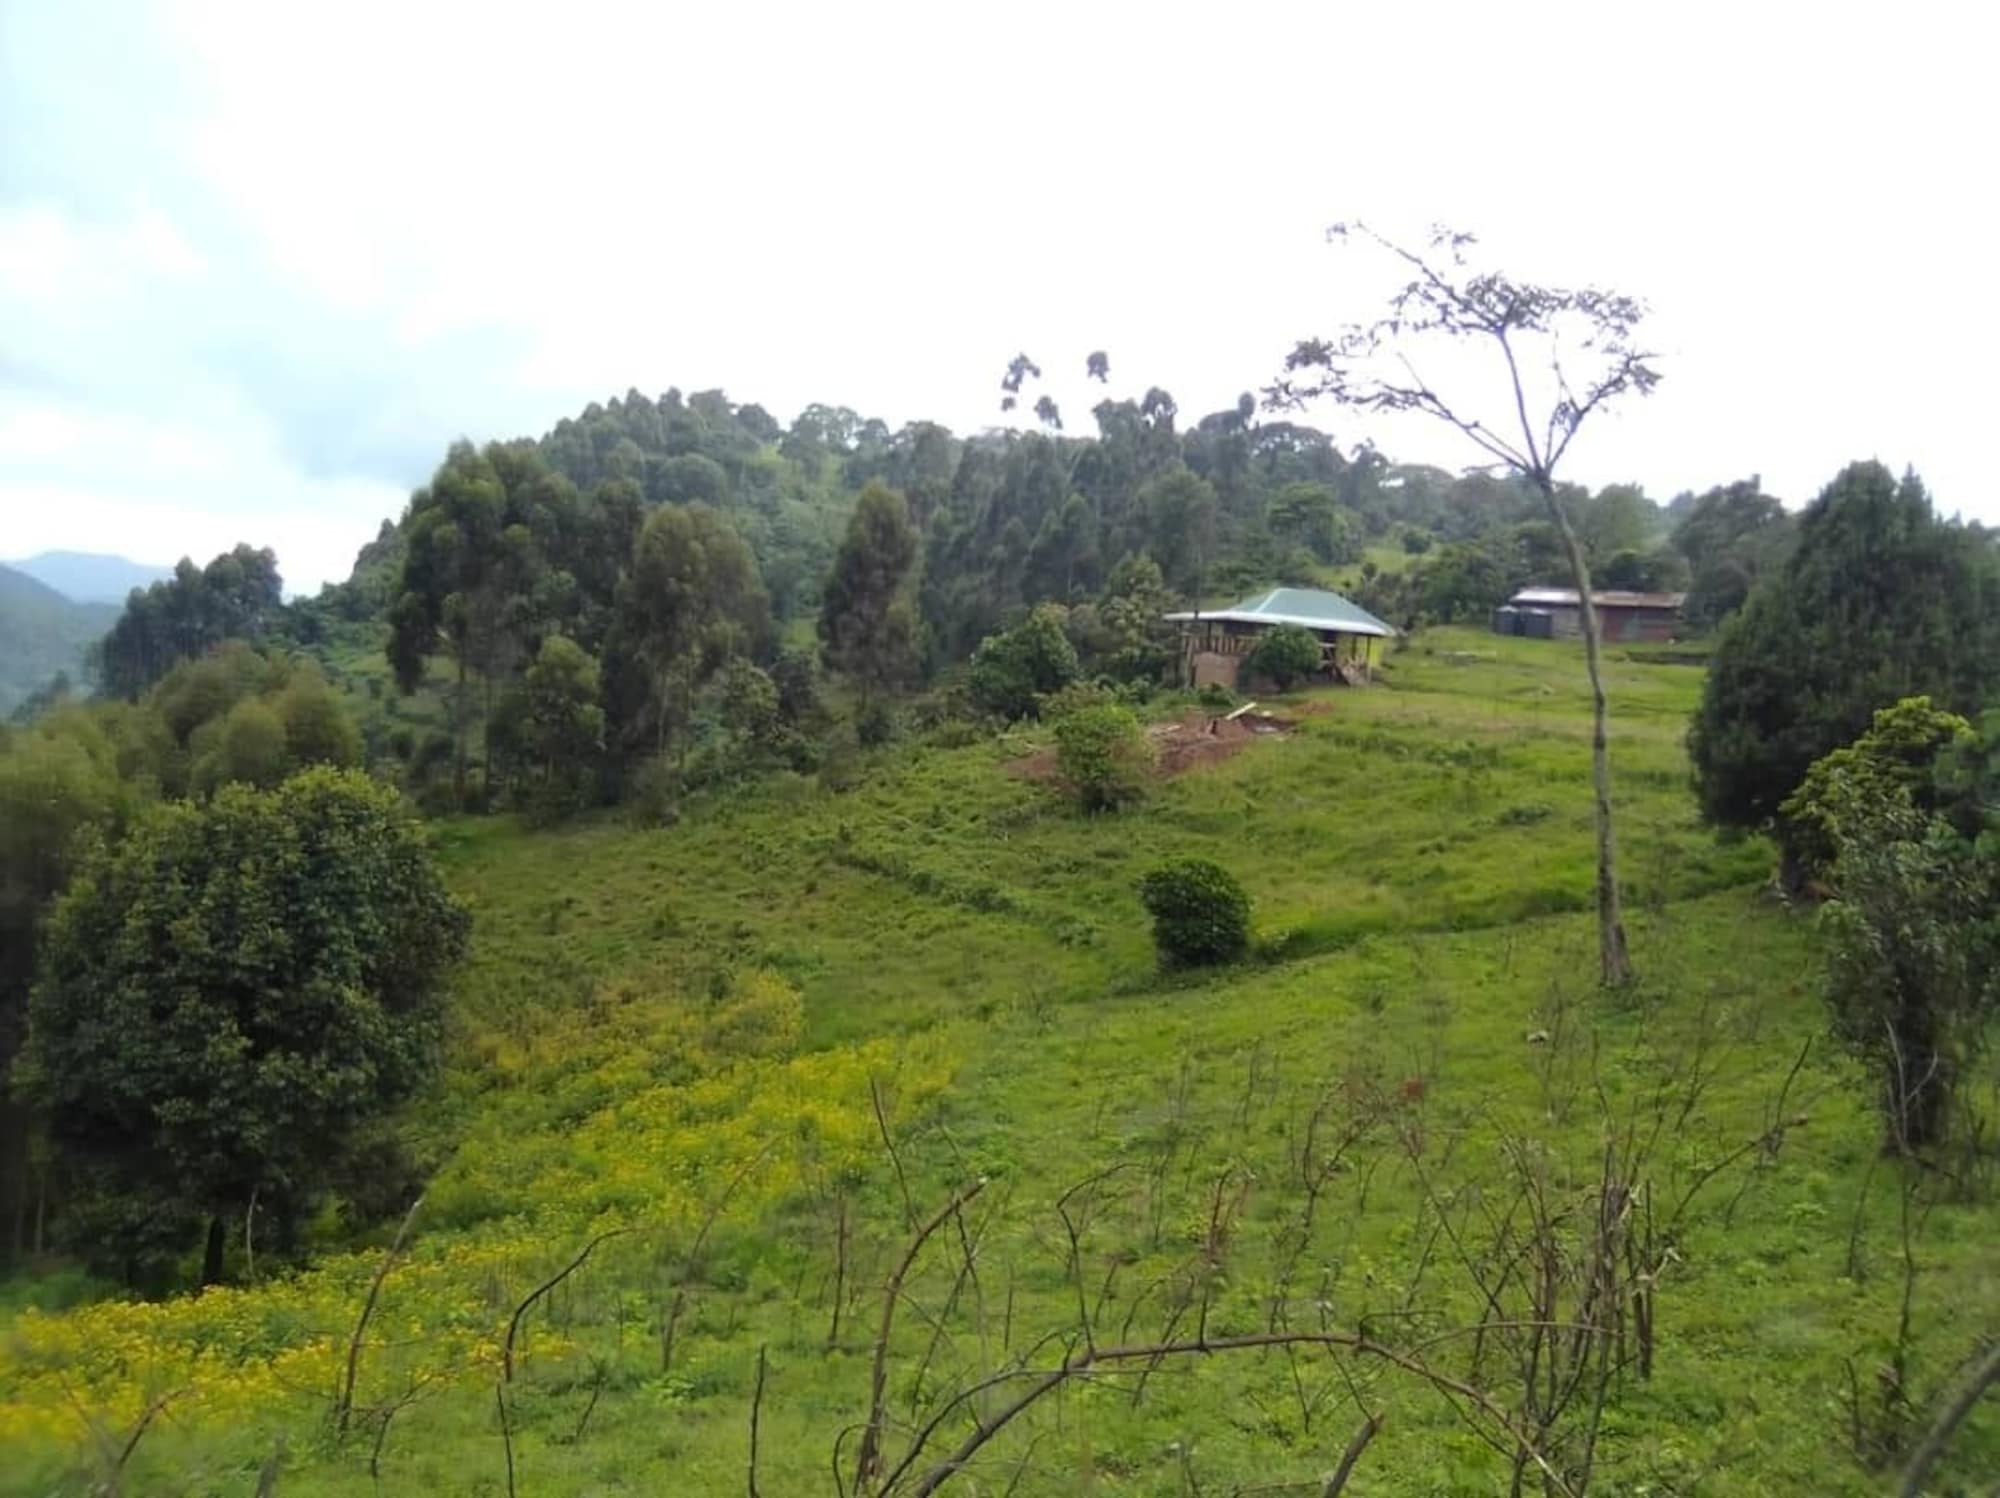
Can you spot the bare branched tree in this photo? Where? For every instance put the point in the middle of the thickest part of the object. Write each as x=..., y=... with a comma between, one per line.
x=1566, y=355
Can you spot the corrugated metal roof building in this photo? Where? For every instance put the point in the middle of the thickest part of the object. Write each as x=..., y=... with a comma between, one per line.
x=1216, y=641
x=1621, y=615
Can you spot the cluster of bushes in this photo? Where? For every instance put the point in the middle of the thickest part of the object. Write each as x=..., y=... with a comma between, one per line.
x=1029, y=670
x=1842, y=714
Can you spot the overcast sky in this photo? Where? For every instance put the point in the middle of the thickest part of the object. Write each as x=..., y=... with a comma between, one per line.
x=260, y=263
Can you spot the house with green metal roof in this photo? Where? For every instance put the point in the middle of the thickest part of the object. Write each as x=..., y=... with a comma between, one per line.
x=1216, y=642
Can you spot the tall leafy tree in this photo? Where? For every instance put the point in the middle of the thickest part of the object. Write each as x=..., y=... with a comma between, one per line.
x=1180, y=511
x=1564, y=354
x=867, y=619
x=237, y=596
x=1013, y=671
x=468, y=575
x=689, y=478
x=1138, y=641
x=1618, y=518
x=1309, y=515
x=1730, y=536
x=225, y=997
x=1879, y=600
x=248, y=746
x=692, y=601
x=554, y=726
x=1063, y=560
x=59, y=785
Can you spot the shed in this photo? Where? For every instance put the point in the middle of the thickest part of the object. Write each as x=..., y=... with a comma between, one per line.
x=1621, y=615
x=1215, y=642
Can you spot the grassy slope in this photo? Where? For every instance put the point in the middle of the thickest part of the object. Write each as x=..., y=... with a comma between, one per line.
x=1420, y=853
x=1387, y=558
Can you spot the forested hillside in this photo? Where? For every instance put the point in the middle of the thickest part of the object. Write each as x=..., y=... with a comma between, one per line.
x=535, y=539
x=946, y=755
x=43, y=635
x=735, y=956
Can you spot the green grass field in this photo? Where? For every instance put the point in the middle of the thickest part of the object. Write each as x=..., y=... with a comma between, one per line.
x=1391, y=559
x=660, y=1025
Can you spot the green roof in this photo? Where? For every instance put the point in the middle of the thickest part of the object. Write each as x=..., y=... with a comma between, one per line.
x=1315, y=608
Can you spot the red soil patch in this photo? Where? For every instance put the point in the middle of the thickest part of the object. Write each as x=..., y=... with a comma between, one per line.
x=1181, y=744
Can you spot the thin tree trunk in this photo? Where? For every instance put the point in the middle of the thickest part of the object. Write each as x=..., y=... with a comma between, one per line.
x=486, y=737
x=211, y=1259
x=1614, y=961
x=1984, y=1375
x=18, y=1167
x=687, y=713
x=459, y=713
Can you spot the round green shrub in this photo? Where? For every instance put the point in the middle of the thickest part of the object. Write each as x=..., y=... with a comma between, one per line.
x=1286, y=655
x=1103, y=755
x=875, y=724
x=1201, y=915
x=1014, y=670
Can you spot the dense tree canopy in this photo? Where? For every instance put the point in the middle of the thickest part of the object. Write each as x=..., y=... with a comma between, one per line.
x=1013, y=671
x=1879, y=600
x=550, y=727
x=1900, y=827
x=238, y=596
x=515, y=543
x=1729, y=537
x=224, y=997
x=692, y=601
x=867, y=621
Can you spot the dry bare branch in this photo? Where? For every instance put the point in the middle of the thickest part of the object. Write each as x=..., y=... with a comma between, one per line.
x=1984, y=1375
x=343, y=1405
x=1089, y=1359
x=868, y=1460
x=1350, y=1456
x=514, y=1321
x=671, y=1321
x=895, y=1155
x=756, y=1414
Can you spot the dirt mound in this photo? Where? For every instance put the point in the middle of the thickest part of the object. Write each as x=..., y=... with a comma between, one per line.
x=1179, y=744
x=1199, y=738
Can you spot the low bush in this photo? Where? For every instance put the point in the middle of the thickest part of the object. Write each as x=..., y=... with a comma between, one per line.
x=1102, y=755
x=1077, y=696
x=1287, y=655
x=653, y=792
x=1201, y=915
x=875, y=724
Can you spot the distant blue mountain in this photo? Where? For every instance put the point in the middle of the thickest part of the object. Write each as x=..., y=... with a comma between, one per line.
x=89, y=577
x=43, y=633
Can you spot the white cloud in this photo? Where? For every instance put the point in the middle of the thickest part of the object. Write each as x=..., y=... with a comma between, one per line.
x=325, y=243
